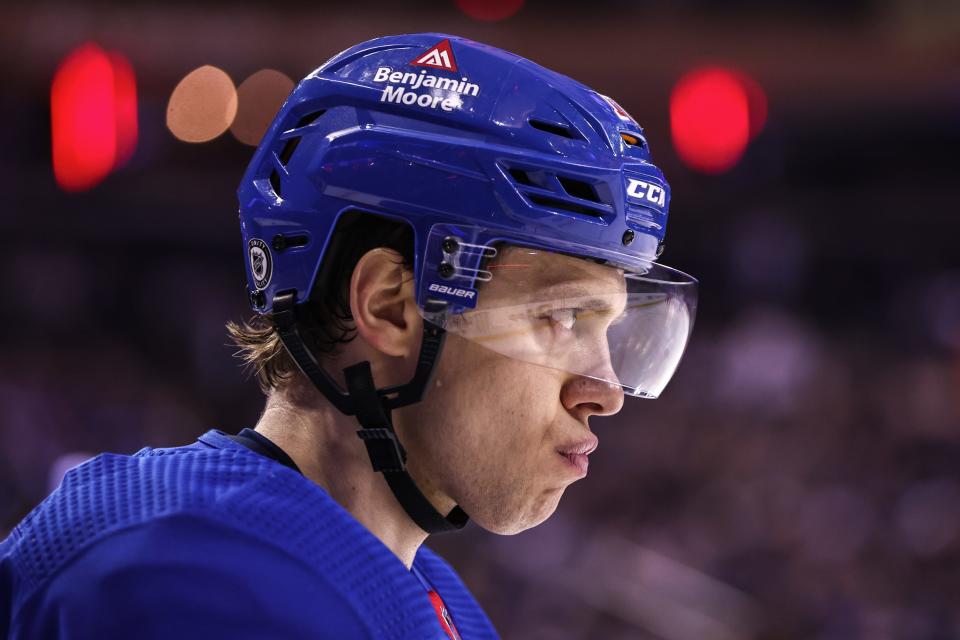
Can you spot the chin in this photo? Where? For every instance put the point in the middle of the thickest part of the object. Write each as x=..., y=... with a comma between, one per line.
x=509, y=523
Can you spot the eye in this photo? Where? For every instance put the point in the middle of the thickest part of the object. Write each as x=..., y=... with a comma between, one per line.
x=566, y=318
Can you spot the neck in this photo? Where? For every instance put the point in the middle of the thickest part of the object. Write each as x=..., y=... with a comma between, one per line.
x=323, y=444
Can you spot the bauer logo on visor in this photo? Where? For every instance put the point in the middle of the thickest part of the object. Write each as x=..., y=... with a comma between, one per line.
x=453, y=291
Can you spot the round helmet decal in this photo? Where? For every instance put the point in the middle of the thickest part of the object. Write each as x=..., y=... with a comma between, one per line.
x=261, y=262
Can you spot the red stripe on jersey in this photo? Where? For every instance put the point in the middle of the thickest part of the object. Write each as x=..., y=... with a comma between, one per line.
x=444, y=616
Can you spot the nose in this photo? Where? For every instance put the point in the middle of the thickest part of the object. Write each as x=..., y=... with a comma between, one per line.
x=584, y=397
x=595, y=389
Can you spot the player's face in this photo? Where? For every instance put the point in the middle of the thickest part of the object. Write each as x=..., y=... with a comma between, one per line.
x=492, y=430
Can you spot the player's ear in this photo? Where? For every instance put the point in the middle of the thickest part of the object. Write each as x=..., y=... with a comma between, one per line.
x=382, y=303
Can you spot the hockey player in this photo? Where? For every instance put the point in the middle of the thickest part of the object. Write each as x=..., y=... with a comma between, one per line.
x=451, y=251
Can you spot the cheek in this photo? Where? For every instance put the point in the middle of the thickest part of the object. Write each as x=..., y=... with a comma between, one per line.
x=501, y=406
x=488, y=429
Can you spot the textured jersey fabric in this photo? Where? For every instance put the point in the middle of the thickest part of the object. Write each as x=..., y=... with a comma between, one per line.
x=212, y=540
x=263, y=445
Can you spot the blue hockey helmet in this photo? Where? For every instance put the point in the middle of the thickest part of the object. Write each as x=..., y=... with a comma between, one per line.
x=498, y=166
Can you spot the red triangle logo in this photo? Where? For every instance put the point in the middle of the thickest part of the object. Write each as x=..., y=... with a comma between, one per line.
x=620, y=111
x=439, y=56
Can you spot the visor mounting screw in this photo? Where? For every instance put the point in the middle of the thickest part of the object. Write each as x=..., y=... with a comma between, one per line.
x=445, y=269
x=258, y=299
x=661, y=247
x=628, y=237
x=450, y=245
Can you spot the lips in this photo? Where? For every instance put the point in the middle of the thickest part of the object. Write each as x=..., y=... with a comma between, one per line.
x=578, y=461
x=585, y=446
x=576, y=453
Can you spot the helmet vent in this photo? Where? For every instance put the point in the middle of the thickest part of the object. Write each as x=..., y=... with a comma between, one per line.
x=522, y=177
x=633, y=139
x=564, y=205
x=275, y=182
x=544, y=188
x=309, y=118
x=579, y=189
x=288, y=150
x=291, y=145
x=555, y=129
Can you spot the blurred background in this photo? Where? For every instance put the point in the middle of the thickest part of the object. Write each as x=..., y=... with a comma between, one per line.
x=799, y=478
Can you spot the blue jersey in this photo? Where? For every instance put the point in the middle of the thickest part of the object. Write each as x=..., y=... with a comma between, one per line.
x=214, y=540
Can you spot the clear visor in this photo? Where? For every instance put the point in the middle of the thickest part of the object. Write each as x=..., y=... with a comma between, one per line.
x=624, y=326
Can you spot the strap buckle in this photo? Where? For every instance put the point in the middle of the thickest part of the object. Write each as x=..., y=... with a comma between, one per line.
x=386, y=452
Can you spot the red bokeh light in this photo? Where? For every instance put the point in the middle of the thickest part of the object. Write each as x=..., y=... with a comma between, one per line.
x=490, y=10
x=125, y=101
x=756, y=103
x=714, y=112
x=93, y=116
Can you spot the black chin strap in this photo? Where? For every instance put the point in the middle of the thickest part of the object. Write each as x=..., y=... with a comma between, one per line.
x=372, y=408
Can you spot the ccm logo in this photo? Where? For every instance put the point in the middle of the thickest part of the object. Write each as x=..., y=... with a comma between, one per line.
x=452, y=291
x=646, y=191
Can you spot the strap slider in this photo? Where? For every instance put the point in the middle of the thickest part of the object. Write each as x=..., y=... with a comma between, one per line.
x=386, y=452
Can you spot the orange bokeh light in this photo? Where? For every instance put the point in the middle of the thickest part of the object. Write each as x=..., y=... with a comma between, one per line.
x=259, y=97
x=202, y=105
